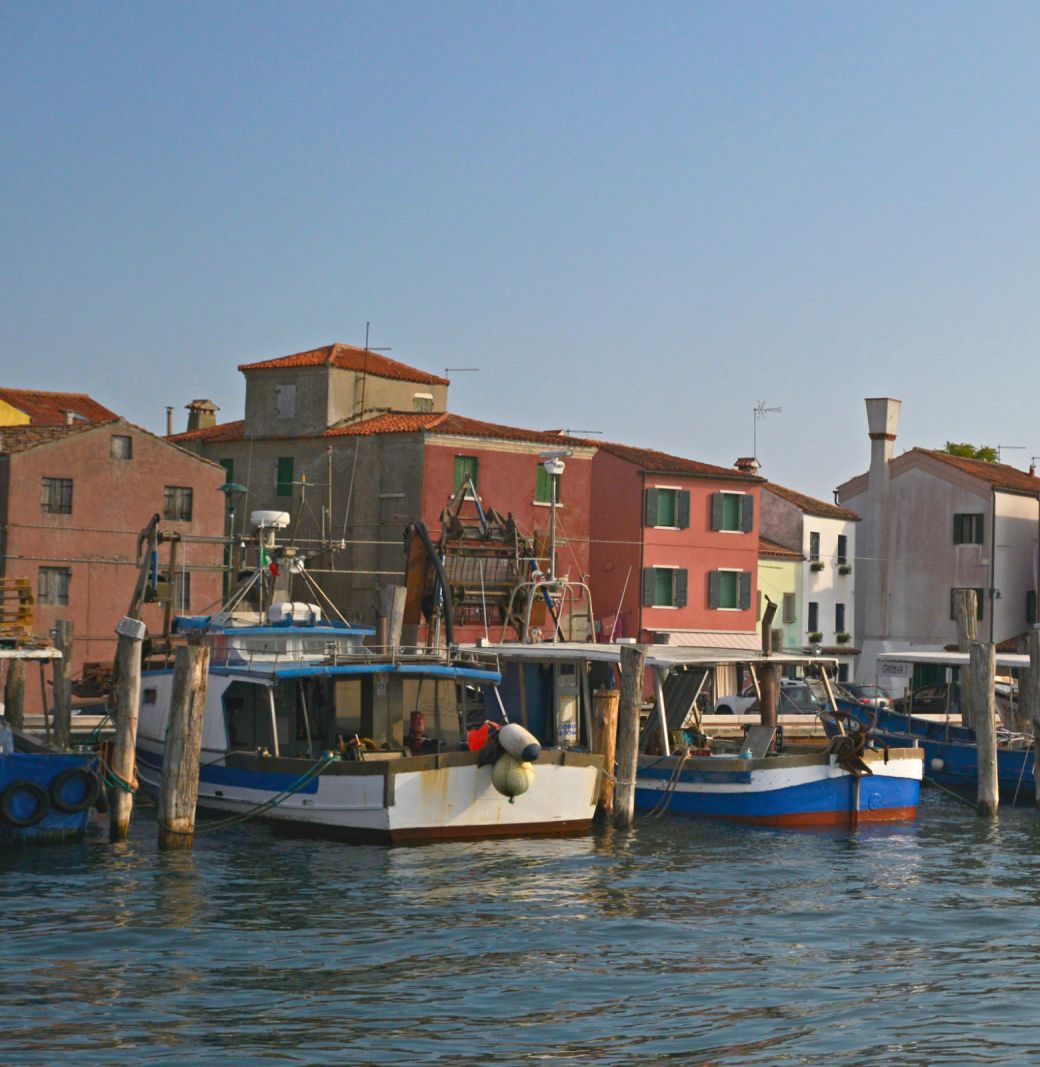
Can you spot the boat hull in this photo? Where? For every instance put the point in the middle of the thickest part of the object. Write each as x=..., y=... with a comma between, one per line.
x=397, y=800
x=795, y=791
x=54, y=789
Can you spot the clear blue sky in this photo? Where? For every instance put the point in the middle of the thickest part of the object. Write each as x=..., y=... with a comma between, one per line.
x=639, y=219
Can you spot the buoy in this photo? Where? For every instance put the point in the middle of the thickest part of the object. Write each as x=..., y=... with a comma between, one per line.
x=521, y=744
x=511, y=777
x=937, y=764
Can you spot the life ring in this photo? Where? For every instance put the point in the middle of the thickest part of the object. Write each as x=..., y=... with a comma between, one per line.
x=7, y=799
x=91, y=788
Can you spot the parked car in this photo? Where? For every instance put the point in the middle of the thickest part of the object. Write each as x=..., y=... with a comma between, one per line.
x=865, y=693
x=935, y=699
x=796, y=698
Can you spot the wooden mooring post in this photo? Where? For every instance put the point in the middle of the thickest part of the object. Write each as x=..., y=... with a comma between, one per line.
x=14, y=693
x=965, y=606
x=63, y=639
x=128, y=701
x=984, y=706
x=179, y=791
x=604, y=742
x=1032, y=706
x=633, y=668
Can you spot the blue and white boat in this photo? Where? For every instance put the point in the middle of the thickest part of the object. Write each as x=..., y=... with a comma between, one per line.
x=307, y=727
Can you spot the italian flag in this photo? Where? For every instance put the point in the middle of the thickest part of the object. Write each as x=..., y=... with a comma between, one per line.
x=267, y=562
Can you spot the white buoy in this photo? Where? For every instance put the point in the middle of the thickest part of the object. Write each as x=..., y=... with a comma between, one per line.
x=521, y=744
x=936, y=764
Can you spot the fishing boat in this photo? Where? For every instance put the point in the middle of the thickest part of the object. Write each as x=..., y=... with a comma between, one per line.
x=838, y=784
x=308, y=727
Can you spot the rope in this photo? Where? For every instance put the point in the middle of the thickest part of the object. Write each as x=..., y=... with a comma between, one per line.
x=956, y=796
x=669, y=788
x=112, y=778
x=308, y=776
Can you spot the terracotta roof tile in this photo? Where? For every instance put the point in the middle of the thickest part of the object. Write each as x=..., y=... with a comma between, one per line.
x=224, y=431
x=810, y=505
x=999, y=475
x=772, y=550
x=654, y=462
x=22, y=438
x=347, y=357
x=446, y=423
x=48, y=409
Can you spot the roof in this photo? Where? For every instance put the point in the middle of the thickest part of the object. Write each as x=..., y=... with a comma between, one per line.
x=654, y=462
x=771, y=550
x=22, y=438
x=225, y=431
x=347, y=357
x=999, y=475
x=48, y=409
x=810, y=505
x=446, y=423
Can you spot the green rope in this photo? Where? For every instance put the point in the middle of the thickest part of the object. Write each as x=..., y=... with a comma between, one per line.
x=308, y=776
x=956, y=796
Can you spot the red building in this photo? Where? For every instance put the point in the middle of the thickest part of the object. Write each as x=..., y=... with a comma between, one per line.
x=675, y=548
x=73, y=498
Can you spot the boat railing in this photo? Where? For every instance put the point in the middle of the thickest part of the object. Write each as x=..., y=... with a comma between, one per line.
x=334, y=654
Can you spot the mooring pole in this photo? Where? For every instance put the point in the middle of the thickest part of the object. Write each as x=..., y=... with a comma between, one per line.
x=965, y=606
x=179, y=791
x=983, y=670
x=128, y=700
x=14, y=693
x=63, y=637
x=1032, y=711
x=604, y=742
x=633, y=668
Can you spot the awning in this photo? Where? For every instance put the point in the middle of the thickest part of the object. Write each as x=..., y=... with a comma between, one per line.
x=710, y=639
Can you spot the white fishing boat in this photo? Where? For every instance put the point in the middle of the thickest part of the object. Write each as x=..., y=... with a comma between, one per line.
x=307, y=727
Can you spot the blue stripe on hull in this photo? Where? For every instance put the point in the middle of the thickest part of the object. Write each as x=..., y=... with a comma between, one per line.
x=41, y=769
x=217, y=775
x=827, y=798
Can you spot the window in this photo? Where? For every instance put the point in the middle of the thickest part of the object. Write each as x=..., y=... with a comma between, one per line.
x=422, y=402
x=813, y=619
x=668, y=508
x=122, y=446
x=839, y=618
x=789, y=604
x=229, y=469
x=978, y=603
x=543, y=486
x=733, y=512
x=967, y=528
x=56, y=496
x=283, y=476
x=285, y=401
x=814, y=547
x=1031, y=606
x=843, y=549
x=729, y=590
x=53, y=585
x=465, y=467
x=177, y=500
x=149, y=696
x=843, y=672
x=664, y=587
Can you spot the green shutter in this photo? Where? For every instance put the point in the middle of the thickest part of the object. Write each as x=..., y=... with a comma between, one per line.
x=684, y=509
x=714, y=581
x=284, y=476
x=958, y=529
x=465, y=466
x=650, y=508
x=1030, y=606
x=745, y=591
x=229, y=470
x=716, y=513
x=681, y=584
x=747, y=513
x=542, y=486
x=649, y=580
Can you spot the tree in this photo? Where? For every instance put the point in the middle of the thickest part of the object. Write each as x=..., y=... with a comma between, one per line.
x=968, y=451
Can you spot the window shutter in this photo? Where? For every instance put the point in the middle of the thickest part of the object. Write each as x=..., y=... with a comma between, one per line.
x=651, y=507
x=284, y=476
x=958, y=529
x=1030, y=605
x=681, y=583
x=684, y=509
x=745, y=590
x=649, y=578
x=714, y=579
x=716, y=512
x=747, y=513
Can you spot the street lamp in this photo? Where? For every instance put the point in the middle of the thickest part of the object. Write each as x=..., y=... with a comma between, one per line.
x=233, y=494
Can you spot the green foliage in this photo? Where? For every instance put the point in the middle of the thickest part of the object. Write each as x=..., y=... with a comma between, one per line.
x=968, y=451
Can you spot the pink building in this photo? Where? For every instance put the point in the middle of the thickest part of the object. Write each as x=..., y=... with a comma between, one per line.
x=675, y=549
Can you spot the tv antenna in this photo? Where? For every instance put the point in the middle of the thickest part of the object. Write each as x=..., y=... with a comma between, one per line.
x=459, y=370
x=761, y=411
x=364, y=366
x=999, y=447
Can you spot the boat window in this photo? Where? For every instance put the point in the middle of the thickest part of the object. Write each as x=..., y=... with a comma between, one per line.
x=247, y=715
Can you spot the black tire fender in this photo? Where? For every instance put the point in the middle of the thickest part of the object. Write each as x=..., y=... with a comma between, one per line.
x=37, y=792
x=90, y=792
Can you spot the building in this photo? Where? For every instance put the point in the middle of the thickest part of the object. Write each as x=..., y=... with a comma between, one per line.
x=674, y=550
x=73, y=498
x=933, y=523
x=34, y=407
x=780, y=580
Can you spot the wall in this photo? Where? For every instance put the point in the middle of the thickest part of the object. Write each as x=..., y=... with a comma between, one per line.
x=312, y=401
x=775, y=578
x=1016, y=542
x=827, y=587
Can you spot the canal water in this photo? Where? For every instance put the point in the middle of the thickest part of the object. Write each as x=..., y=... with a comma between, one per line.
x=680, y=942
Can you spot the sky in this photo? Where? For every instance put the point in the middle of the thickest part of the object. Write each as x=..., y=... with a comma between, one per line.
x=637, y=219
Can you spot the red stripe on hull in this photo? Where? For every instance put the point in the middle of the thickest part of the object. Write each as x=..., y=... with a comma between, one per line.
x=426, y=835
x=819, y=818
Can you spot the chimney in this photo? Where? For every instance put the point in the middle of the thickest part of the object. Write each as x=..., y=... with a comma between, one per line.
x=169, y=421
x=882, y=423
x=201, y=414
x=70, y=417
x=748, y=465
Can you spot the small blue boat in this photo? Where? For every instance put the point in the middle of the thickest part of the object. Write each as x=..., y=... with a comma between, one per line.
x=44, y=796
x=951, y=757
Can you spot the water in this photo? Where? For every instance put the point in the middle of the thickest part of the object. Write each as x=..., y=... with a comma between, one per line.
x=680, y=942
